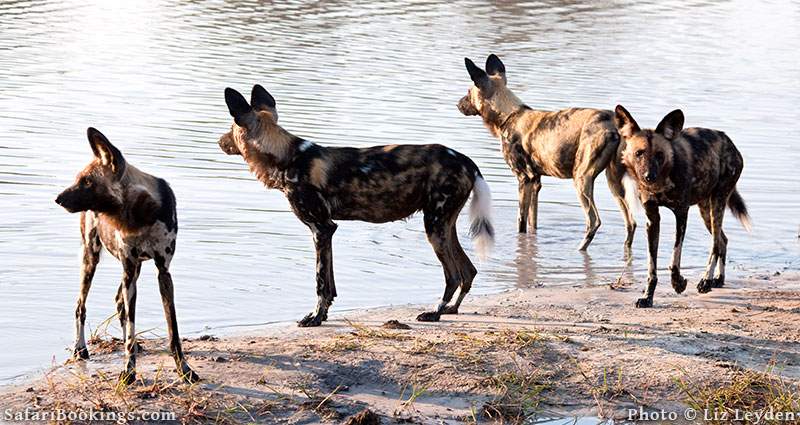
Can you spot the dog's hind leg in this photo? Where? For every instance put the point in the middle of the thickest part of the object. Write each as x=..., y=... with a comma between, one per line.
x=168, y=300
x=678, y=281
x=90, y=247
x=438, y=231
x=466, y=272
x=585, y=187
x=614, y=174
x=131, y=268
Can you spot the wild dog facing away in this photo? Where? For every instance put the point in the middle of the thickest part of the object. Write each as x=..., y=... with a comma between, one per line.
x=676, y=168
x=133, y=215
x=376, y=184
x=576, y=143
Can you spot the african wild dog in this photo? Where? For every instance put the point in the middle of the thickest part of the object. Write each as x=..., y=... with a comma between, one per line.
x=133, y=215
x=576, y=143
x=376, y=184
x=676, y=168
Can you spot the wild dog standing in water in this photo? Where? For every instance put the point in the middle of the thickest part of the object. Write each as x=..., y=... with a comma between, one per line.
x=377, y=184
x=574, y=144
x=133, y=215
x=676, y=168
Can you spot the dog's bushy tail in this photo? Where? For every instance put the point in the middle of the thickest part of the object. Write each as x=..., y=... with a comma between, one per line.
x=739, y=209
x=481, y=230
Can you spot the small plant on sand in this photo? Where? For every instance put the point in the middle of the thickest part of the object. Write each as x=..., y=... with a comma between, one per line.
x=743, y=391
x=519, y=396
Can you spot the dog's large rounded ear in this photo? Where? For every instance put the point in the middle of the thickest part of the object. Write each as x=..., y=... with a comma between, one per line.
x=240, y=110
x=494, y=66
x=626, y=125
x=107, y=153
x=261, y=99
x=671, y=125
x=478, y=75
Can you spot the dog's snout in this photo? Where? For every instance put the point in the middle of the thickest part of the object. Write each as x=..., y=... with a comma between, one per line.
x=60, y=199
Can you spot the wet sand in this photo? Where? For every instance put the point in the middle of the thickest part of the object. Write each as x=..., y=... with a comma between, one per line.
x=554, y=351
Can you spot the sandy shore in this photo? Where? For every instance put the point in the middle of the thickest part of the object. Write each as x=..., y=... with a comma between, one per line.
x=554, y=352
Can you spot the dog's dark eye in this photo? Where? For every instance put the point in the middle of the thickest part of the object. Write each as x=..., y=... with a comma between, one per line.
x=86, y=182
x=639, y=153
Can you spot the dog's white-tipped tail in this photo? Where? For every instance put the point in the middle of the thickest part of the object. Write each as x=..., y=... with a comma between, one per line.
x=481, y=230
x=631, y=193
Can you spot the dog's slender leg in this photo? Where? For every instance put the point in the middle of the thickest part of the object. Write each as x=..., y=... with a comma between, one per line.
x=130, y=273
x=120, y=300
x=715, y=210
x=524, y=189
x=168, y=300
x=90, y=246
x=535, y=185
x=614, y=178
x=653, y=228
x=313, y=210
x=466, y=271
x=585, y=187
x=678, y=281
x=437, y=230
x=326, y=288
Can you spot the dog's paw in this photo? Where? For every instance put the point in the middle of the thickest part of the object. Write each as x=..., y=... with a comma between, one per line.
x=678, y=283
x=429, y=316
x=450, y=309
x=704, y=286
x=644, y=303
x=718, y=282
x=189, y=375
x=127, y=377
x=310, y=321
x=80, y=353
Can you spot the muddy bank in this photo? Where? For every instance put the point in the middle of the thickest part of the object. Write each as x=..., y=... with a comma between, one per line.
x=552, y=352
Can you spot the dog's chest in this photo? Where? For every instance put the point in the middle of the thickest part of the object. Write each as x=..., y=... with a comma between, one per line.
x=155, y=241
x=520, y=161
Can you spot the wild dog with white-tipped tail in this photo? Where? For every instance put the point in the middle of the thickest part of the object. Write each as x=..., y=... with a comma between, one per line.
x=676, y=168
x=376, y=184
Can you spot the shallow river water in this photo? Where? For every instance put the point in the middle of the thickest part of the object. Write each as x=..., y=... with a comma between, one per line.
x=150, y=75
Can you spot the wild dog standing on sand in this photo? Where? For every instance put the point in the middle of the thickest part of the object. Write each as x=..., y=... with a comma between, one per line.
x=676, y=168
x=133, y=215
x=377, y=184
x=572, y=144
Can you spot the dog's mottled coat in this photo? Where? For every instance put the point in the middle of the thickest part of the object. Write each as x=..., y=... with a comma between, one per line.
x=133, y=215
x=676, y=168
x=576, y=143
x=376, y=184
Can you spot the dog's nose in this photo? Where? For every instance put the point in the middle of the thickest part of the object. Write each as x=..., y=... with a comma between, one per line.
x=59, y=199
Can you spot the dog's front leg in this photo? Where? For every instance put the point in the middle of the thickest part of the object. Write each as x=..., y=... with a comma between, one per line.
x=131, y=268
x=313, y=210
x=653, y=228
x=90, y=246
x=326, y=289
x=678, y=281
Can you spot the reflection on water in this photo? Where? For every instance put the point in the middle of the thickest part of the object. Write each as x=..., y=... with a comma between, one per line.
x=151, y=75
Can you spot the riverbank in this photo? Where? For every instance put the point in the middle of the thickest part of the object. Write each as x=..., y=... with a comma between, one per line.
x=552, y=351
